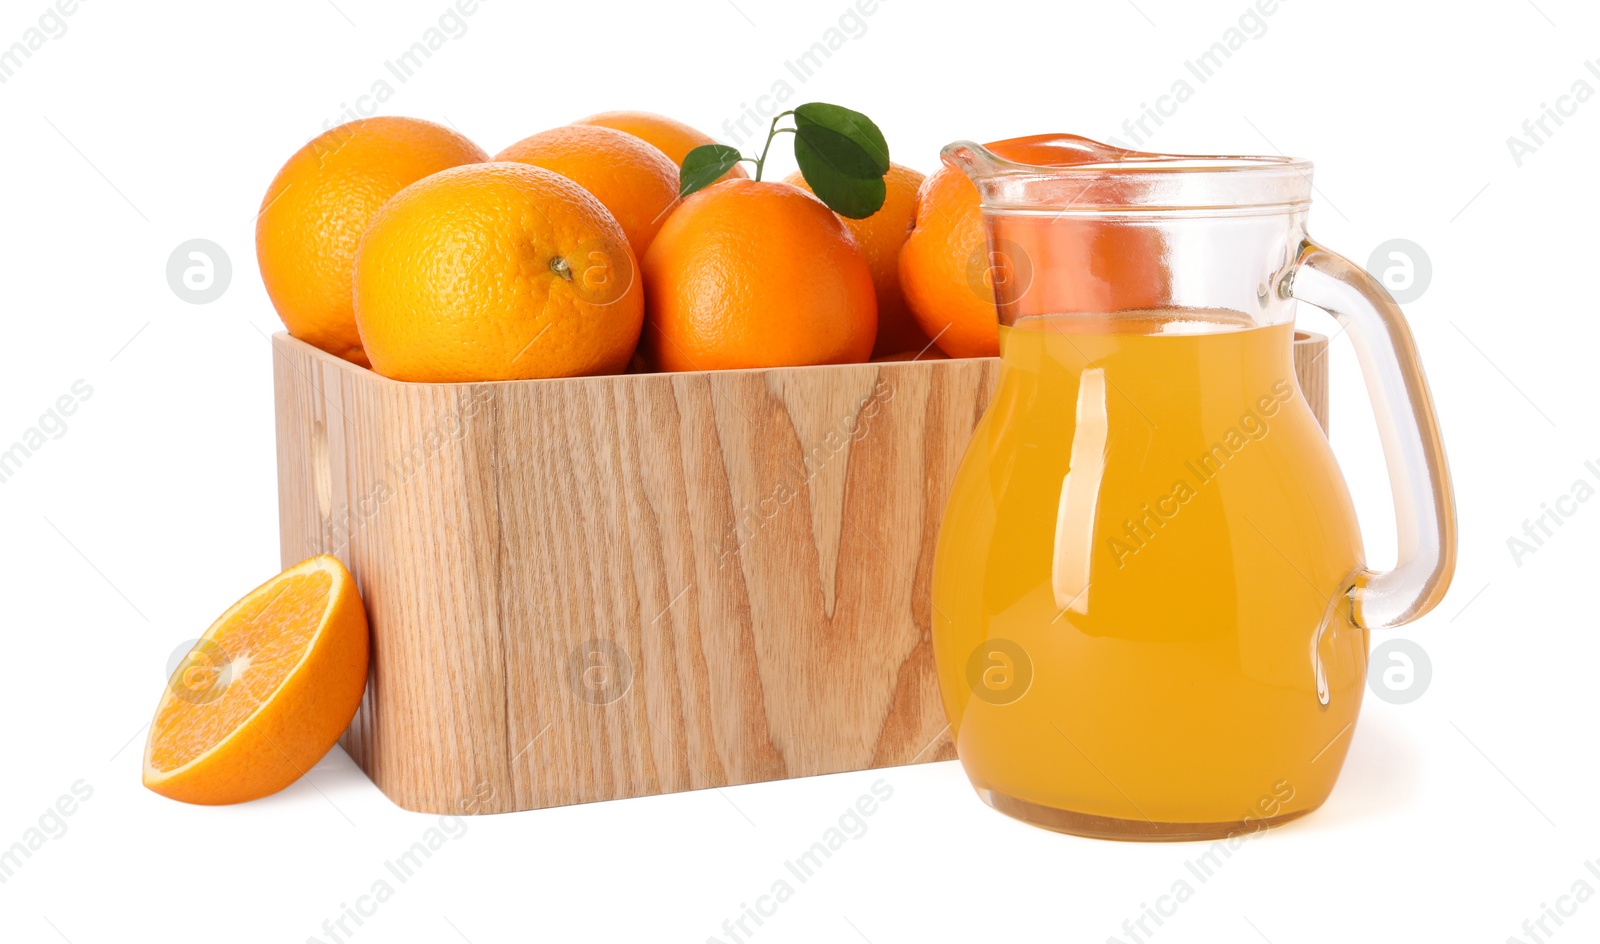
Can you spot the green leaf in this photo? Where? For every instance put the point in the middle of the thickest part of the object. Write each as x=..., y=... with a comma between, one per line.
x=844, y=155
x=851, y=124
x=842, y=174
x=704, y=165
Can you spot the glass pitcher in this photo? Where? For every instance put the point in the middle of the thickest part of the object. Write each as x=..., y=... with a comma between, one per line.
x=1150, y=599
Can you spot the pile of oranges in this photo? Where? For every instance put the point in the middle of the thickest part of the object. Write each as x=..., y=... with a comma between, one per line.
x=604, y=246
x=400, y=245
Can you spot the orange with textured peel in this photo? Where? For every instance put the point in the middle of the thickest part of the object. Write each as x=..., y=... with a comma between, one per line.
x=880, y=237
x=265, y=692
x=947, y=271
x=942, y=268
x=674, y=138
x=497, y=271
x=752, y=273
x=318, y=206
x=628, y=175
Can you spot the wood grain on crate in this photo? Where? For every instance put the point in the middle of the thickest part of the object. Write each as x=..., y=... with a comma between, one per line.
x=1311, y=369
x=608, y=587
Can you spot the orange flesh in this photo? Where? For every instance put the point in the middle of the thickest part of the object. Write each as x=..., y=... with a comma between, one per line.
x=256, y=648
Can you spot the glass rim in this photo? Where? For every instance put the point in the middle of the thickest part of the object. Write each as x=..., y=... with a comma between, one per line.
x=1140, y=162
x=1108, y=178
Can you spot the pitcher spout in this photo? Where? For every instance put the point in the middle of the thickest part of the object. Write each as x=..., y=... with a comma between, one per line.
x=1072, y=173
x=1031, y=154
x=1080, y=227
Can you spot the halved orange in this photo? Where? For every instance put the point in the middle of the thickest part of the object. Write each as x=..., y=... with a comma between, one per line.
x=265, y=693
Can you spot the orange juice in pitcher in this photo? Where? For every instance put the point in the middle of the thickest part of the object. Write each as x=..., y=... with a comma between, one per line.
x=1150, y=603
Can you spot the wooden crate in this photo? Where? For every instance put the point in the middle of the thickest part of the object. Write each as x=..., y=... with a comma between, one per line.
x=607, y=587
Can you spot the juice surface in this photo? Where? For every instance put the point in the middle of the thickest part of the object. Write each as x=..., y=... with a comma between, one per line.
x=1138, y=592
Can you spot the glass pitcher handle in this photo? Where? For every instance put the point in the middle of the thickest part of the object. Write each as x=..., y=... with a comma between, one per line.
x=1424, y=504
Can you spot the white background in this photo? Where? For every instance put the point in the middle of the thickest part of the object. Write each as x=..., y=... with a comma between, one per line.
x=1458, y=816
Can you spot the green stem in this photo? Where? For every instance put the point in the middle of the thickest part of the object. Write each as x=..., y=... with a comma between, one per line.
x=772, y=132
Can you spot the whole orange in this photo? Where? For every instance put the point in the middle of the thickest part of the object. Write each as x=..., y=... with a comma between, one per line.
x=750, y=273
x=947, y=274
x=880, y=237
x=631, y=177
x=674, y=138
x=943, y=270
x=496, y=271
x=320, y=203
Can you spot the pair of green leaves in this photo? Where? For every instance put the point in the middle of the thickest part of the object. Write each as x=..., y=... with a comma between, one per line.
x=841, y=154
